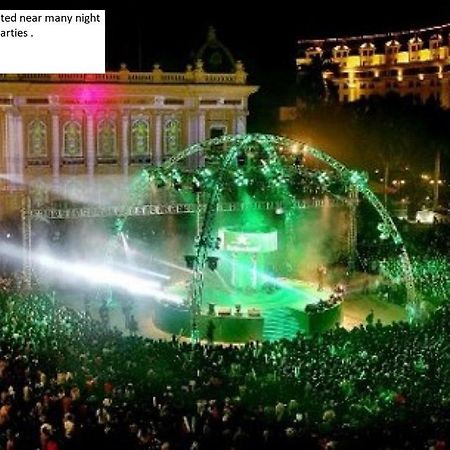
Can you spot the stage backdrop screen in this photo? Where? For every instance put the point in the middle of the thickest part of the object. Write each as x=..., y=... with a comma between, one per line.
x=234, y=240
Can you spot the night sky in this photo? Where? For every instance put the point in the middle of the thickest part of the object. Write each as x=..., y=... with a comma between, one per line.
x=264, y=38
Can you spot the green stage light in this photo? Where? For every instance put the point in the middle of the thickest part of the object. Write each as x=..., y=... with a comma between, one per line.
x=119, y=224
x=205, y=173
x=240, y=179
x=146, y=175
x=176, y=179
x=323, y=178
x=196, y=185
x=384, y=231
x=265, y=169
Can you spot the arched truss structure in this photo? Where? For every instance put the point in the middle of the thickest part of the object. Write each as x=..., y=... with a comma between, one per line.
x=222, y=154
x=278, y=150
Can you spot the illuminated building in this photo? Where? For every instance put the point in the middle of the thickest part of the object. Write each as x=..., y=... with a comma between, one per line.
x=72, y=130
x=414, y=62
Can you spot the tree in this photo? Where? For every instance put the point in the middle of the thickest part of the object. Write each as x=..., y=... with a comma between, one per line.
x=386, y=133
x=313, y=87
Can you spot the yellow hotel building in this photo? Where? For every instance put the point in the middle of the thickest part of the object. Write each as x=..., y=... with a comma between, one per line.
x=413, y=63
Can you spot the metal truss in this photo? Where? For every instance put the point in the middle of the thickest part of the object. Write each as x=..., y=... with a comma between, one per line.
x=276, y=148
x=356, y=182
x=169, y=209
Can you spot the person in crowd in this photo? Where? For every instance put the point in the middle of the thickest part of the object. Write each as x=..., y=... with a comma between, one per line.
x=133, y=325
x=104, y=313
x=370, y=318
x=321, y=274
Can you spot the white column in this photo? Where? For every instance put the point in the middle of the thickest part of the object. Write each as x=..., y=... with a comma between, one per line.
x=125, y=150
x=56, y=151
x=10, y=147
x=201, y=126
x=20, y=161
x=157, y=142
x=191, y=136
x=90, y=147
x=201, y=137
x=192, y=128
x=235, y=123
x=240, y=123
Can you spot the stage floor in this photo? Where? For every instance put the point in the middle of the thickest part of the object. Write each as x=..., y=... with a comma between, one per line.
x=273, y=303
x=287, y=293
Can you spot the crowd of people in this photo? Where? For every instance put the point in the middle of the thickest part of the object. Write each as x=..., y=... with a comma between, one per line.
x=431, y=275
x=69, y=381
x=429, y=254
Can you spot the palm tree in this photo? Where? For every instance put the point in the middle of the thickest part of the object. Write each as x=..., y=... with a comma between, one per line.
x=313, y=85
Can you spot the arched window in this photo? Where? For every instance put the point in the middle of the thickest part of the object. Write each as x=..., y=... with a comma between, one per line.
x=37, y=139
x=172, y=137
x=140, y=140
x=106, y=140
x=72, y=140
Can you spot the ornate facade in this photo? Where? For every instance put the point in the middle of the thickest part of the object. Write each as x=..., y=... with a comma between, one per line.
x=415, y=63
x=59, y=130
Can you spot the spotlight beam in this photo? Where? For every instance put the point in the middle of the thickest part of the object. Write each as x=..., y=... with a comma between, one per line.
x=96, y=274
x=141, y=270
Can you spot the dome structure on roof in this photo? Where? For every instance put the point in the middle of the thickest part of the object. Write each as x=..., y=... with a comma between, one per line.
x=341, y=48
x=392, y=43
x=314, y=49
x=415, y=40
x=367, y=45
x=436, y=37
x=215, y=56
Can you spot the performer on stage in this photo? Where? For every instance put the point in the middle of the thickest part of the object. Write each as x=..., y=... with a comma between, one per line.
x=321, y=273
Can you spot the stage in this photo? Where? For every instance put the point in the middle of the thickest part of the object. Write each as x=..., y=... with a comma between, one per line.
x=355, y=308
x=275, y=311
